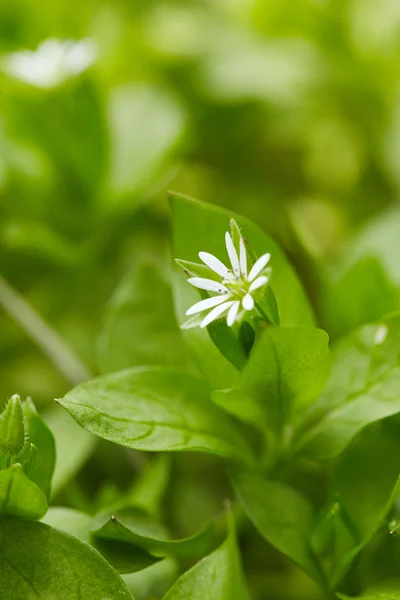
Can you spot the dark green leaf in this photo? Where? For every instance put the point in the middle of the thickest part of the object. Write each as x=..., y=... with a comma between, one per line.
x=130, y=525
x=42, y=438
x=124, y=557
x=155, y=409
x=37, y=561
x=281, y=514
x=367, y=484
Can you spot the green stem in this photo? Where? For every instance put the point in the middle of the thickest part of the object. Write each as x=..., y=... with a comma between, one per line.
x=57, y=350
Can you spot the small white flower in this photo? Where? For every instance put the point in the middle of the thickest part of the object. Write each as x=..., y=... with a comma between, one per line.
x=52, y=62
x=234, y=289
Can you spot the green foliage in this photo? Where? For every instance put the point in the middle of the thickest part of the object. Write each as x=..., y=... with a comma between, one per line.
x=37, y=560
x=41, y=437
x=281, y=514
x=156, y=409
x=363, y=388
x=285, y=373
x=221, y=568
x=287, y=114
x=12, y=429
x=19, y=496
x=131, y=526
x=142, y=305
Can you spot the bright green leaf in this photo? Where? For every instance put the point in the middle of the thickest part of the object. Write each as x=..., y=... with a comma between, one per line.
x=124, y=557
x=19, y=496
x=155, y=409
x=286, y=371
x=73, y=446
x=156, y=121
x=12, y=428
x=37, y=561
x=216, y=577
x=201, y=227
x=363, y=388
x=140, y=328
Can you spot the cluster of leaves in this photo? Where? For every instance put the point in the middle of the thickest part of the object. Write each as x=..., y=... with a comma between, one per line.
x=307, y=436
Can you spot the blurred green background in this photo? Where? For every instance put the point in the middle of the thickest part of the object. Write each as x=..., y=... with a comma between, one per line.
x=286, y=112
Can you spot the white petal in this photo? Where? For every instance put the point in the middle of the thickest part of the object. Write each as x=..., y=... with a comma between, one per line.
x=215, y=313
x=258, y=266
x=248, y=302
x=243, y=258
x=232, y=314
x=233, y=257
x=214, y=263
x=208, y=284
x=259, y=282
x=207, y=303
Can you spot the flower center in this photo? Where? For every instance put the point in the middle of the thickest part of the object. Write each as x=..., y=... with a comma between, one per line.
x=237, y=286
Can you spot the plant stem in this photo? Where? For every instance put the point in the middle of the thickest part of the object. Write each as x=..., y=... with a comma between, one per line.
x=60, y=354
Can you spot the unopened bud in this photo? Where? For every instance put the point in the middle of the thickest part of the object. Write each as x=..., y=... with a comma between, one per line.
x=12, y=428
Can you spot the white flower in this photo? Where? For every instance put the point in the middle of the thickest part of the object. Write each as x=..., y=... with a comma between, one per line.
x=52, y=62
x=235, y=288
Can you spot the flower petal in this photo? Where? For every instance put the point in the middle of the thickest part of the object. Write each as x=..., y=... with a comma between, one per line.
x=258, y=266
x=233, y=257
x=208, y=284
x=214, y=263
x=259, y=282
x=215, y=313
x=248, y=302
x=204, y=304
x=243, y=258
x=232, y=314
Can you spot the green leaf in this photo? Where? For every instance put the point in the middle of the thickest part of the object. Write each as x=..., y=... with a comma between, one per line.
x=70, y=521
x=357, y=294
x=12, y=428
x=136, y=161
x=132, y=526
x=392, y=593
x=140, y=328
x=286, y=371
x=19, y=496
x=366, y=485
x=216, y=577
x=154, y=581
x=42, y=438
x=201, y=227
x=73, y=446
x=363, y=388
x=155, y=409
x=197, y=270
x=281, y=514
x=124, y=557
x=37, y=561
